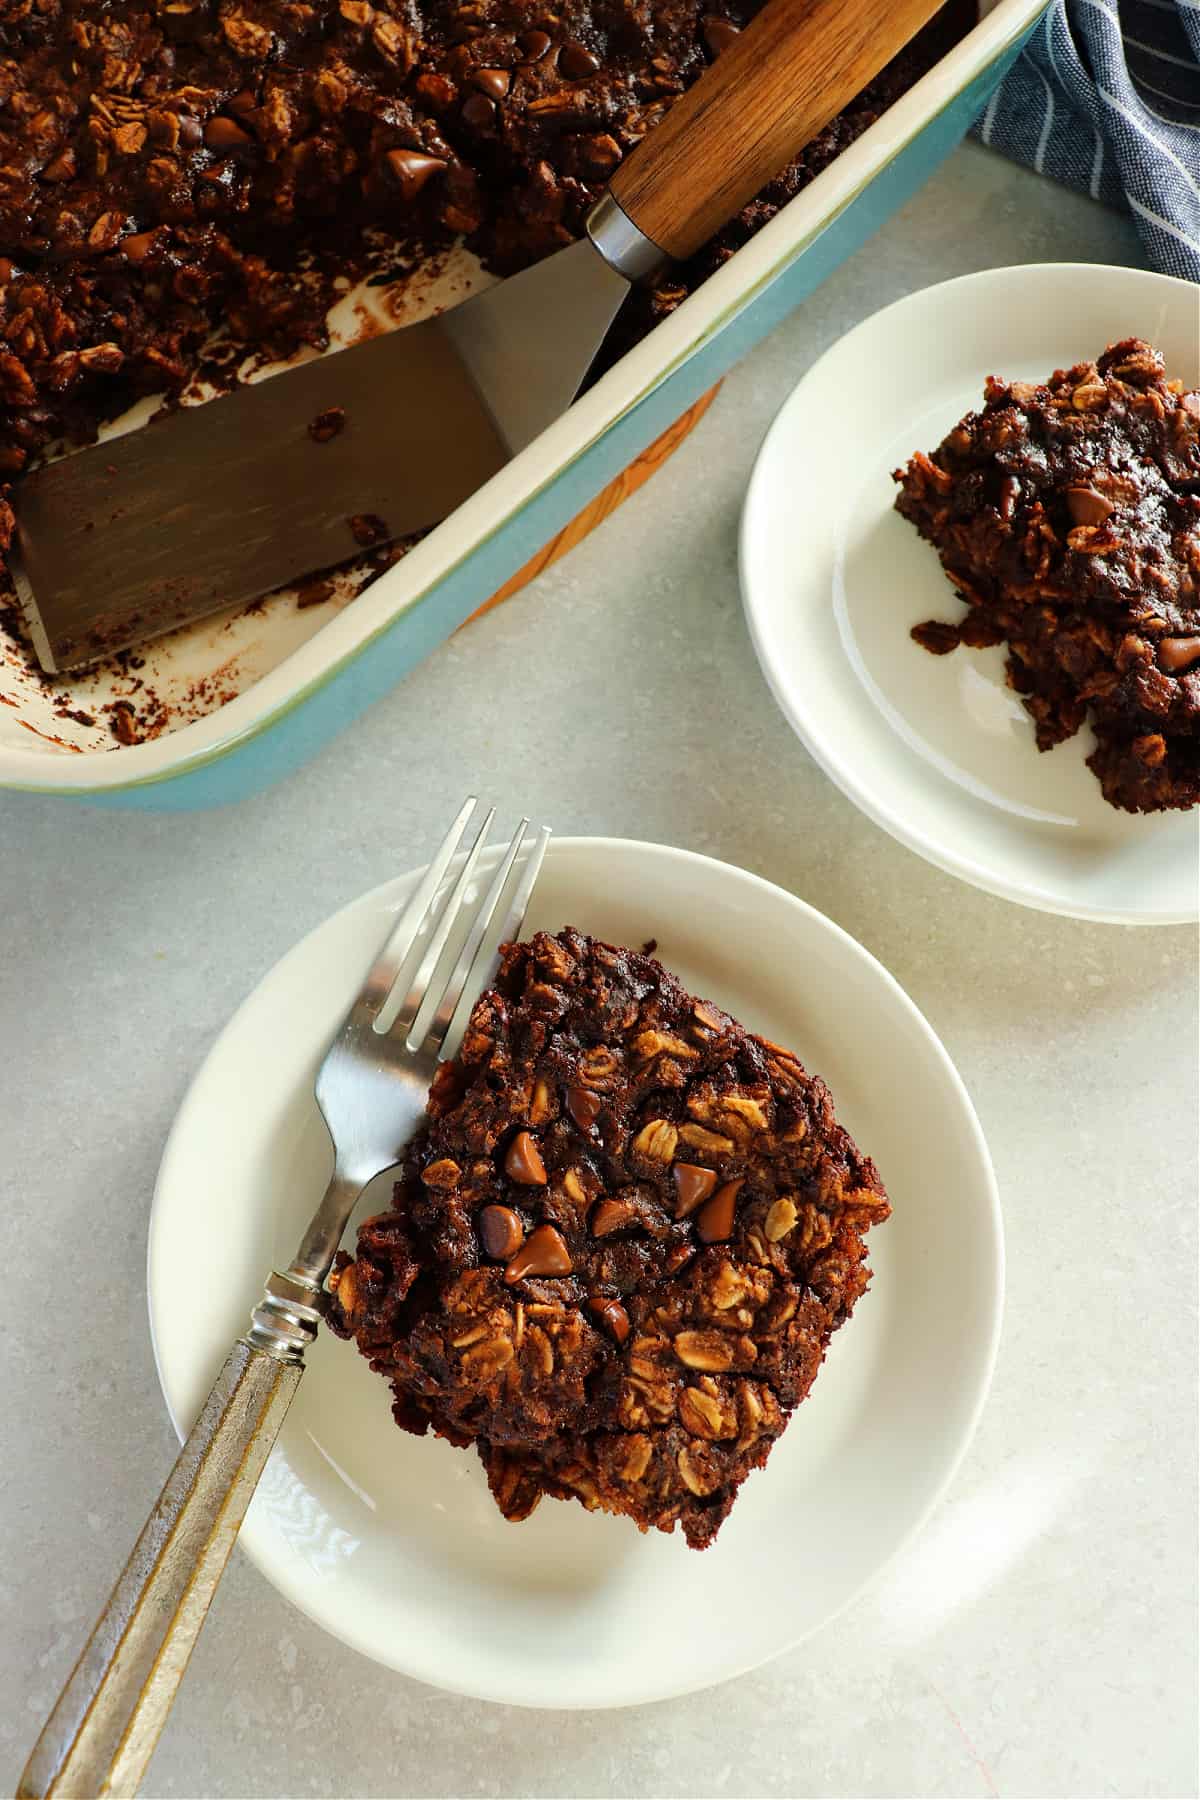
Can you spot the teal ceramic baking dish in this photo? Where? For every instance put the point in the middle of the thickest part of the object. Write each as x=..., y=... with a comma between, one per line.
x=262, y=698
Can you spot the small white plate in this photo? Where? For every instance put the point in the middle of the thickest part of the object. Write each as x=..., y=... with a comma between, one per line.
x=938, y=750
x=393, y=1542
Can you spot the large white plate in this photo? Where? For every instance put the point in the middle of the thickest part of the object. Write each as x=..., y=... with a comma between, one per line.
x=393, y=1542
x=938, y=750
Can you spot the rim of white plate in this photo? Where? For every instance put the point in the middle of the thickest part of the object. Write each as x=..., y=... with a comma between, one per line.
x=938, y=853
x=344, y=1629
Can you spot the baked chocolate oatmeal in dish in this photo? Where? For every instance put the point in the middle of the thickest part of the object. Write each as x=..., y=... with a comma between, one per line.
x=620, y=1246
x=1067, y=515
x=168, y=170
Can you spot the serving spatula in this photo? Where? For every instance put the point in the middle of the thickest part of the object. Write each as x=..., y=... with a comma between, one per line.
x=217, y=504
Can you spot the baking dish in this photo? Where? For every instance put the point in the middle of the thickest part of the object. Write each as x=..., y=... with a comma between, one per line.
x=256, y=693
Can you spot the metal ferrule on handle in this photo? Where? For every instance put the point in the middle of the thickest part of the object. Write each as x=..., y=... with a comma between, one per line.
x=287, y=1318
x=624, y=248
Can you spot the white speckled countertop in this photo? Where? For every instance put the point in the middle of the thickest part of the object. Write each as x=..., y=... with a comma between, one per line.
x=1040, y=1639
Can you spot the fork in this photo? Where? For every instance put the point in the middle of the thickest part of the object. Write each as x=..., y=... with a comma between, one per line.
x=371, y=1089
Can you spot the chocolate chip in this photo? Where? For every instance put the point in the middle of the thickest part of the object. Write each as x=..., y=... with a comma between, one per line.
x=692, y=1185
x=479, y=111
x=543, y=1253
x=611, y=1314
x=719, y=34
x=1087, y=507
x=411, y=169
x=495, y=83
x=500, y=1232
x=534, y=45
x=584, y=1107
x=225, y=135
x=524, y=1162
x=715, y=1221
x=327, y=424
x=1177, y=653
x=576, y=61
x=138, y=247
x=611, y=1215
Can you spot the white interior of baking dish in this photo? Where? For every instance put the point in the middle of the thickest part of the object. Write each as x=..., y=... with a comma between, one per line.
x=224, y=677
x=202, y=668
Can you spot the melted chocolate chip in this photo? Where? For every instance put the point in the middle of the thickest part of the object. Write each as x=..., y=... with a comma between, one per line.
x=495, y=83
x=1087, y=507
x=524, y=1161
x=576, y=61
x=479, y=111
x=612, y=1315
x=584, y=1107
x=411, y=170
x=1178, y=653
x=225, y=135
x=715, y=1221
x=534, y=45
x=692, y=1185
x=544, y=1252
x=501, y=1232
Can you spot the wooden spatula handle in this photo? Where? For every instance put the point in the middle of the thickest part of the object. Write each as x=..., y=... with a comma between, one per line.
x=777, y=84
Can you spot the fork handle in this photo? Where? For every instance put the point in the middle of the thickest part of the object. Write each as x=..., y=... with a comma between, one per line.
x=107, y=1720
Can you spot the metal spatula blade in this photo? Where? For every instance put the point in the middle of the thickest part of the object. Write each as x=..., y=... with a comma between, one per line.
x=224, y=502
x=528, y=342
x=214, y=505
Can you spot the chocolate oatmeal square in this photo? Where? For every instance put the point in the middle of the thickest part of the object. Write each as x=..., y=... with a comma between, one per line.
x=1067, y=516
x=620, y=1246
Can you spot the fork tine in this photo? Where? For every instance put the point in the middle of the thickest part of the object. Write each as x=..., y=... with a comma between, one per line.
x=456, y=982
x=396, y=952
x=401, y=1021
x=515, y=916
x=481, y=953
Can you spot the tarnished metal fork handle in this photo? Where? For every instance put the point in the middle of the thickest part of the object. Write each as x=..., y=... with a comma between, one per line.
x=108, y=1718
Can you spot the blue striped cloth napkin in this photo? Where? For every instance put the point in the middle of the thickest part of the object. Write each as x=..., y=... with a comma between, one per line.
x=1106, y=97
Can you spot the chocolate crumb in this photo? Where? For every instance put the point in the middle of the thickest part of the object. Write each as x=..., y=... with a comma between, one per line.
x=314, y=593
x=368, y=528
x=329, y=424
x=123, y=722
x=936, y=636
